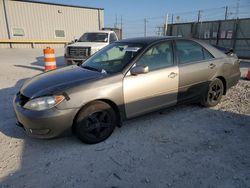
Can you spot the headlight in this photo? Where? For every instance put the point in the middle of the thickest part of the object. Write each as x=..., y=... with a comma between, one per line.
x=44, y=103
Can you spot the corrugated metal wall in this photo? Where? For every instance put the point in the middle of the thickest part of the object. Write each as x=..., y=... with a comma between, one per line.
x=217, y=33
x=3, y=29
x=39, y=21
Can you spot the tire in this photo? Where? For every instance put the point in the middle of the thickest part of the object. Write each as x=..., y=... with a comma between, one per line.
x=95, y=122
x=214, y=94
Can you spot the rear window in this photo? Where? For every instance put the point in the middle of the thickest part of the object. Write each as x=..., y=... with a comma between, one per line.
x=94, y=37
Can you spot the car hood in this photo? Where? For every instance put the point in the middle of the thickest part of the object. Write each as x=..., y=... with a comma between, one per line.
x=58, y=80
x=89, y=44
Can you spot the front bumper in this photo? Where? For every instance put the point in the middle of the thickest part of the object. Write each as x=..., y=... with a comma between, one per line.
x=44, y=124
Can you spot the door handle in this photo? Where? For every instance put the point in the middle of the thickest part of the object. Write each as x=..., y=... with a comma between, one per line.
x=172, y=75
x=211, y=66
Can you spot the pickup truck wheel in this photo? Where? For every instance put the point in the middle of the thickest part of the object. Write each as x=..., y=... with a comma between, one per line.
x=95, y=122
x=214, y=93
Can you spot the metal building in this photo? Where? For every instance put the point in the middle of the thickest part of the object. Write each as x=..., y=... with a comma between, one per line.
x=33, y=24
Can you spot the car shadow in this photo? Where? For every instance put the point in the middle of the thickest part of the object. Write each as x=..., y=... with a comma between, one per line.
x=175, y=146
x=60, y=61
x=39, y=63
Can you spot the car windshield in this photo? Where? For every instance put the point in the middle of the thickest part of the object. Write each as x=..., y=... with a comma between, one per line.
x=94, y=37
x=113, y=58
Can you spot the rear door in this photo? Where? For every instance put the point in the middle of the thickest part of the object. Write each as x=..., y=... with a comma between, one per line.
x=196, y=68
x=157, y=88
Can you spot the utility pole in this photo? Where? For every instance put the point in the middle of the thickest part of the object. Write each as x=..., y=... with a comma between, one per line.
x=226, y=12
x=121, y=26
x=116, y=21
x=121, y=22
x=145, y=27
x=172, y=19
x=199, y=25
x=199, y=16
x=237, y=9
x=165, y=26
x=158, y=31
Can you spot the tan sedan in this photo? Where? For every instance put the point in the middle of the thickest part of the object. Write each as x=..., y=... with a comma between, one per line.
x=125, y=79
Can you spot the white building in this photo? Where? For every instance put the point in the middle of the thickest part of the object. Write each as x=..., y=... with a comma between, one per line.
x=27, y=24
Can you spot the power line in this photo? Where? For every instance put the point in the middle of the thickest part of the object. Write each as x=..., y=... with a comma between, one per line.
x=155, y=24
x=188, y=12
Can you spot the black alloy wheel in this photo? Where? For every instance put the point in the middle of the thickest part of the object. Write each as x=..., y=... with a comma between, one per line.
x=95, y=122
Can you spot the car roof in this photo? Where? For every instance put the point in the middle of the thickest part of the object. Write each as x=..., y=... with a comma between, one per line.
x=150, y=40
x=147, y=40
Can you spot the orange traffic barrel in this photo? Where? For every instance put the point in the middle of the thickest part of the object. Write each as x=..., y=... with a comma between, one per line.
x=49, y=59
x=248, y=74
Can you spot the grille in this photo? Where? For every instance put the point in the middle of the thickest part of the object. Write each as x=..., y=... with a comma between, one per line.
x=23, y=99
x=79, y=52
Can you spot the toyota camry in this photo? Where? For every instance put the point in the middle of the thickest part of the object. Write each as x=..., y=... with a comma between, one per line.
x=126, y=79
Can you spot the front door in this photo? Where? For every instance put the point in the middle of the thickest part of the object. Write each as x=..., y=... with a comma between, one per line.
x=156, y=89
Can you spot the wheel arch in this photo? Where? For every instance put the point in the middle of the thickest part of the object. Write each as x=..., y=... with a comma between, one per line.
x=115, y=108
x=109, y=102
x=224, y=83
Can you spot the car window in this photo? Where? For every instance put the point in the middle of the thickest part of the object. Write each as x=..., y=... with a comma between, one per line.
x=112, y=54
x=112, y=38
x=158, y=57
x=188, y=51
x=207, y=55
x=94, y=37
x=114, y=57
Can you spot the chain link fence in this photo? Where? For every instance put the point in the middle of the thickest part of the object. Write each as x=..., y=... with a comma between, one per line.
x=233, y=33
x=227, y=26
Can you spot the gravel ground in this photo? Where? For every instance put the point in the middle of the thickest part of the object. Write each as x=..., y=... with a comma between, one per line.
x=183, y=146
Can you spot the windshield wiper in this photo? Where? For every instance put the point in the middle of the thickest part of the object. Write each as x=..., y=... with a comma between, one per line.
x=91, y=68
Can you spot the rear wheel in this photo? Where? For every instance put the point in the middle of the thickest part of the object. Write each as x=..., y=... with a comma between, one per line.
x=214, y=93
x=95, y=122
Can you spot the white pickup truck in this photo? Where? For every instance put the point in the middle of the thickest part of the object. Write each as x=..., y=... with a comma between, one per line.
x=88, y=44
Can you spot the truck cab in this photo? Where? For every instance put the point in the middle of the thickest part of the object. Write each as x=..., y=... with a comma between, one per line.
x=88, y=44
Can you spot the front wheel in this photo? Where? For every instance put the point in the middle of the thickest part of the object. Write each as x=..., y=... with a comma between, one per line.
x=95, y=122
x=214, y=94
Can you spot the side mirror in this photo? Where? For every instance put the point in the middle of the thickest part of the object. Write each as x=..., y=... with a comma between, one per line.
x=75, y=40
x=229, y=51
x=139, y=69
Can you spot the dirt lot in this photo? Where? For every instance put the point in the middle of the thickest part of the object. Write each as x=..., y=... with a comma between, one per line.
x=183, y=146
